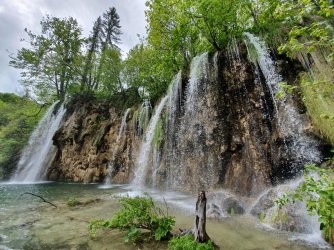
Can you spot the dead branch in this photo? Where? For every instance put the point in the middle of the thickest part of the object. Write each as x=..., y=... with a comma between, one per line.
x=39, y=111
x=40, y=198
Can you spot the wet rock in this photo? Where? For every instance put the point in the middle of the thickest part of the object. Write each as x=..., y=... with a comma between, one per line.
x=265, y=202
x=233, y=205
x=292, y=218
x=213, y=211
x=86, y=142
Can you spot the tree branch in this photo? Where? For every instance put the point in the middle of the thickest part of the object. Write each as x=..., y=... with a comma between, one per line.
x=40, y=198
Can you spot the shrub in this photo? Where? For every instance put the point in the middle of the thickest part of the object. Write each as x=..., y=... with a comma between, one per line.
x=188, y=243
x=317, y=191
x=137, y=213
x=73, y=202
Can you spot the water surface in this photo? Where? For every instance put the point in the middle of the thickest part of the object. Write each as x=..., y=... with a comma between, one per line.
x=26, y=222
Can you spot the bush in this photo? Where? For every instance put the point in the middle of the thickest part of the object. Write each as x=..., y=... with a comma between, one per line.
x=136, y=214
x=73, y=202
x=188, y=243
x=317, y=191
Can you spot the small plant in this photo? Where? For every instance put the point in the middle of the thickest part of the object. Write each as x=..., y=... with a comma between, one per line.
x=262, y=217
x=188, y=243
x=317, y=191
x=73, y=202
x=136, y=214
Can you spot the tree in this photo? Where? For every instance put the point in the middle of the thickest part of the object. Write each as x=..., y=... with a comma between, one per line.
x=146, y=68
x=52, y=62
x=111, y=28
x=110, y=66
x=110, y=36
x=93, y=44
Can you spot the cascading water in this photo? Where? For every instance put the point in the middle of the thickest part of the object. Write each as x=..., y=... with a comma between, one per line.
x=141, y=117
x=39, y=152
x=121, y=131
x=189, y=134
x=146, y=146
x=291, y=123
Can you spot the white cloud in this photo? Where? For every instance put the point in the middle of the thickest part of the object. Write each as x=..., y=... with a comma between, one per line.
x=15, y=15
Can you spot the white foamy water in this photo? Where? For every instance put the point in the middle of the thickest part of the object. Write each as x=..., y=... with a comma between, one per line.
x=146, y=146
x=40, y=151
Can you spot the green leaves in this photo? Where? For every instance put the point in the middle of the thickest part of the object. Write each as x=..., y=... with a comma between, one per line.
x=137, y=213
x=317, y=191
x=52, y=62
x=17, y=120
x=188, y=242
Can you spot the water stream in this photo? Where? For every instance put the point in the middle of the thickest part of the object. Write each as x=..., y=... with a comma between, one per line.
x=122, y=129
x=146, y=146
x=39, y=152
x=302, y=147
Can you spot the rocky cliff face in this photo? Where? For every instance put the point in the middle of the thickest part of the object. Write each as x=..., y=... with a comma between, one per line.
x=222, y=128
x=86, y=142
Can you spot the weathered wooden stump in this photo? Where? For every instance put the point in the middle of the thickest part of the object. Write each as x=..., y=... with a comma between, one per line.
x=198, y=230
x=200, y=219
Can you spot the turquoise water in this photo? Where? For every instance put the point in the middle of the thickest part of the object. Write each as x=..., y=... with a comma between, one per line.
x=26, y=222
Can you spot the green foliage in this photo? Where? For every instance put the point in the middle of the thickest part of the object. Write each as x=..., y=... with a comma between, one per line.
x=18, y=117
x=311, y=26
x=137, y=213
x=317, y=191
x=133, y=235
x=285, y=88
x=52, y=62
x=158, y=136
x=188, y=243
x=146, y=69
x=318, y=99
x=73, y=202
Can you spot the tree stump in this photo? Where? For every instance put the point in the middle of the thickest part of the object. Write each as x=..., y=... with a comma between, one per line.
x=198, y=230
x=200, y=219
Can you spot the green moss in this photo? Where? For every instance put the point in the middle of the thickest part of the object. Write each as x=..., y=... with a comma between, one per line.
x=73, y=202
x=158, y=136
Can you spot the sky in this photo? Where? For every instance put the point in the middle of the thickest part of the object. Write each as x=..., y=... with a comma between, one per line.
x=16, y=15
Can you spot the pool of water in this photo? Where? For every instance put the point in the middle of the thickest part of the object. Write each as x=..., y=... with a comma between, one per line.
x=26, y=222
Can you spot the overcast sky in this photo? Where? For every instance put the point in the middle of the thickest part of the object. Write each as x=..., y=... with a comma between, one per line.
x=15, y=15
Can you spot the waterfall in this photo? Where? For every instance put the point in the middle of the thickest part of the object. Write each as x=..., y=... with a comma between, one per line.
x=190, y=129
x=143, y=117
x=39, y=152
x=146, y=146
x=302, y=147
x=174, y=109
x=111, y=167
